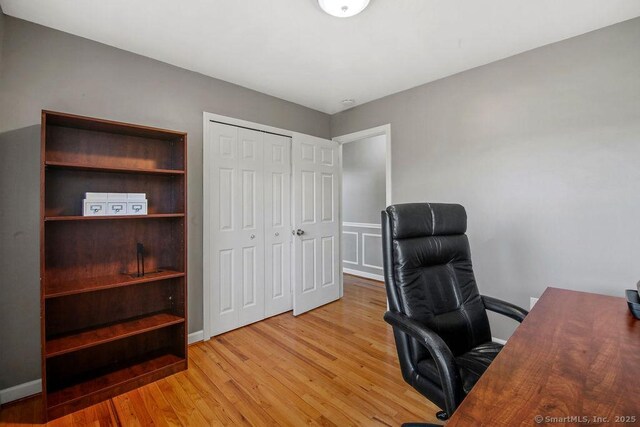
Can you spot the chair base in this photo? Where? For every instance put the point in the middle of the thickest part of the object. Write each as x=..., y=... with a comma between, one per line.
x=442, y=416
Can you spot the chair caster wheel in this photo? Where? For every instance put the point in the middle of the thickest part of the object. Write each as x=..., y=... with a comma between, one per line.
x=442, y=416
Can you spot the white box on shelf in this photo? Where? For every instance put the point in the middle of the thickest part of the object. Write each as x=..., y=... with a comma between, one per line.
x=94, y=208
x=94, y=204
x=137, y=208
x=117, y=204
x=98, y=204
x=137, y=203
x=117, y=208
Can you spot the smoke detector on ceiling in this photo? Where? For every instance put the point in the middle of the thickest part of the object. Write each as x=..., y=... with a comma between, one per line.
x=349, y=102
x=343, y=8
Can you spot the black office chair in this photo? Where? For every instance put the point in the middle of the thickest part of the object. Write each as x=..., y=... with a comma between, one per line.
x=438, y=316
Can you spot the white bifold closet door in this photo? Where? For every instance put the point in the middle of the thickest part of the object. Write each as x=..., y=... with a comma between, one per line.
x=250, y=219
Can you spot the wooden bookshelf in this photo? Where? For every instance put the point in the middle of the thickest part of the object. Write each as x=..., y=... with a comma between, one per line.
x=104, y=329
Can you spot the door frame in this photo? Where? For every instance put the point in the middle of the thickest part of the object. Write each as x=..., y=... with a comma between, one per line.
x=368, y=133
x=206, y=190
x=356, y=136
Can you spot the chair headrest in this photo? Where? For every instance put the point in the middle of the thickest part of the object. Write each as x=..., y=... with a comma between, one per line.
x=426, y=219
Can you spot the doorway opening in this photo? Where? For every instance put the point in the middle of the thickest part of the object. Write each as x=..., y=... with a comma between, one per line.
x=366, y=187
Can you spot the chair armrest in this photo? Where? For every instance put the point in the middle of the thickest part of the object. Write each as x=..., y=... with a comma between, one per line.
x=504, y=308
x=439, y=351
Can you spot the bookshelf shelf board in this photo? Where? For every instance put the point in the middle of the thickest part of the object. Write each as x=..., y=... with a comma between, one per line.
x=104, y=334
x=83, y=167
x=61, y=289
x=110, y=217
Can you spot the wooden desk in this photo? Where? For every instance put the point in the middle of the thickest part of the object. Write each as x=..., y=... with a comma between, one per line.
x=576, y=354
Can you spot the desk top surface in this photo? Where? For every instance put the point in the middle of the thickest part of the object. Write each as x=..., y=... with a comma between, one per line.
x=576, y=355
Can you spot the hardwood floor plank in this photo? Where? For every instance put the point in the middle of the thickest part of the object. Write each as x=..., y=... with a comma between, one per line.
x=214, y=398
x=184, y=408
x=249, y=410
x=131, y=410
x=333, y=366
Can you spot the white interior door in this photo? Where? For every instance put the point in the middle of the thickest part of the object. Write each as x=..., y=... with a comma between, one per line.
x=316, y=185
x=237, y=237
x=277, y=224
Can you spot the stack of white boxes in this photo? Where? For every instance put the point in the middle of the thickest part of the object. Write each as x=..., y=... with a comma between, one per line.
x=113, y=204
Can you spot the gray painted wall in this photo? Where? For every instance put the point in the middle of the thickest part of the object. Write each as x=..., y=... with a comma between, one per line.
x=363, y=197
x=543, y=150
x=363, y=179
x=48, y=69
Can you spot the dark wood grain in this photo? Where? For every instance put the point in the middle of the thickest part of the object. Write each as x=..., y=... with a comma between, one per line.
x=120, y=380
x=56, y=118
x=118, y=169
x=576, y=354
x=109, y=217
x=70, y=287
x=105, y=331
x=66, y=190
x=93, y=249
x=97, y=309
x=86, y=364
x=88, y=338
x=43, y=191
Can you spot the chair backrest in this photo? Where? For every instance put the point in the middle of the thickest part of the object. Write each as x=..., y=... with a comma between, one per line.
x=429, y=276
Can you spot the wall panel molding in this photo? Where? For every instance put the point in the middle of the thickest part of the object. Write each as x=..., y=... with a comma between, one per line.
x=362, y=225
x=364, y=250
x=357, y=260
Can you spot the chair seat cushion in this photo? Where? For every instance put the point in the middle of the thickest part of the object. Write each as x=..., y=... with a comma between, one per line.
x=472, y=364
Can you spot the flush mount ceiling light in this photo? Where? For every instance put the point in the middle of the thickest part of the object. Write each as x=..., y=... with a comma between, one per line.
x=343, y=8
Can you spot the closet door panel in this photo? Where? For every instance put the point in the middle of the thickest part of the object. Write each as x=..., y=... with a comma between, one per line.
x=277, y=179
x=225, y=226
x=250, y=289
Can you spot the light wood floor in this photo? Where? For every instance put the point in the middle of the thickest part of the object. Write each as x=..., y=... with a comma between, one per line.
x=334, y=366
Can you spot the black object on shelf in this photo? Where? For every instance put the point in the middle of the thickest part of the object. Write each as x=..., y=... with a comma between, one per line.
x=140, y=259
x=633, y=301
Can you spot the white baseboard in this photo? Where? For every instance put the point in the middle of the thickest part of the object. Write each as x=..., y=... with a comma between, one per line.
x=196, y=337
x=498, y=340
x=364, y=274
x=19, y=391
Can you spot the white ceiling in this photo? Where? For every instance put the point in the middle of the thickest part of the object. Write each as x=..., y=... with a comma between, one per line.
x=292, y=50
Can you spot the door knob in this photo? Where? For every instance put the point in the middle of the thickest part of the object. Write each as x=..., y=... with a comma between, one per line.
x=277, y=234
x=299, y=232
x=253, y=236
